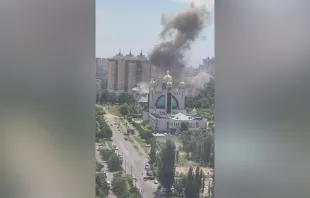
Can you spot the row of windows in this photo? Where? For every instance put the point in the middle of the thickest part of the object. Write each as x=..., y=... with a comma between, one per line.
x=175, y=124
x=178, y=124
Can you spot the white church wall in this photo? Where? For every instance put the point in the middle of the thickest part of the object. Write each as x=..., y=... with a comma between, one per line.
x=145, y=116
x=162, y=125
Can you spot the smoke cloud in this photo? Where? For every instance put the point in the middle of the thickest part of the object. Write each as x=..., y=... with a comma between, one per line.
x=198, y=81
x=142, y=87
x=179, y=32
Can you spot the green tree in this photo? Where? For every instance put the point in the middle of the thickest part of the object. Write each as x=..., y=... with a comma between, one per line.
x=99, y=166
x=113, y=98
x=184, y=126
x=193, y=183
x=106, y=154
x=102, y=128
x=97, y=127
x=179, y=186
x=124, y=109
x=114, y=163
x=129, y=118
x=119, y=186
x=126, y=98
x=108, y=133
x=152, y=153
x=102, y=186
x=104, y=97
x=167, y=166
x=199, y=144
x=177, y=155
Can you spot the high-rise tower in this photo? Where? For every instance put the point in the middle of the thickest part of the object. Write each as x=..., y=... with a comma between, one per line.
x=126, y=71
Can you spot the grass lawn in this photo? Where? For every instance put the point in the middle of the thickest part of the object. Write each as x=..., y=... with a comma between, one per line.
x=182, y=156
x=161, y=140
x=114, y=110
x=183, y=162
x=141, y=142
x=203, y=112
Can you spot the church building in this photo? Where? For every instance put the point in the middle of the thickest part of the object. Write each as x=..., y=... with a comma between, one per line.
x=166, y=107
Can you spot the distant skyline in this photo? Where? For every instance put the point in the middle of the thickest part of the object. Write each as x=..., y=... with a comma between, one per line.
x=135, y=25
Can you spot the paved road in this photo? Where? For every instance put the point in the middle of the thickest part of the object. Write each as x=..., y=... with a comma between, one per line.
x=133, y=162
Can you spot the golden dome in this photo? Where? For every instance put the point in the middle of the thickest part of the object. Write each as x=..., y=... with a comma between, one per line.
x=169, y=84
x=167, y=77
x=182, y=84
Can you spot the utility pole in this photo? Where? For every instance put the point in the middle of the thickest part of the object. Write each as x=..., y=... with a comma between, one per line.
x=125, y=165
x=131, y=169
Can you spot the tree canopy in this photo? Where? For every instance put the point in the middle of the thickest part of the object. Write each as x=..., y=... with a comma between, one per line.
x=114, y=163
x=199, y=146
x=102, y=186
x=167, y=164
x=122, y=186
x=102, y=128
x=191, y=184
x=113, y=98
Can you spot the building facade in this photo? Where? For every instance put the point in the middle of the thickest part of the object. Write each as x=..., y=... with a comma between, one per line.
x=101, y=67
x=208, y=65
x=166, y=107
x=125, y=72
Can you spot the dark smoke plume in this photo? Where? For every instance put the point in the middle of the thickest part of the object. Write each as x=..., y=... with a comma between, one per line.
x=180, y=30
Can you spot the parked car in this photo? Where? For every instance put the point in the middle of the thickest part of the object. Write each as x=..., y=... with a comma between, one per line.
x=148, y=178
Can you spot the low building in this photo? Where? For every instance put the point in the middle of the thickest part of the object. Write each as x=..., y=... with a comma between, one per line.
x=166, y=107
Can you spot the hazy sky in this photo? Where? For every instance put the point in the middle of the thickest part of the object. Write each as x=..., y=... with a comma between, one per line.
x=135, y=25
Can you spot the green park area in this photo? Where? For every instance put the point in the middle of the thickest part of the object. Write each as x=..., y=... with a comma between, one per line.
x=114, y=110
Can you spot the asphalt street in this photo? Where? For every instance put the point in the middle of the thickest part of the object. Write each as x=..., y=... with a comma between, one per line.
x=133, y=163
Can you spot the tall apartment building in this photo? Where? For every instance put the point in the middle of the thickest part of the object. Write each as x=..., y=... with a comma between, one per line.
x=101, y=67
x=208, y=64
x=125, y=72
